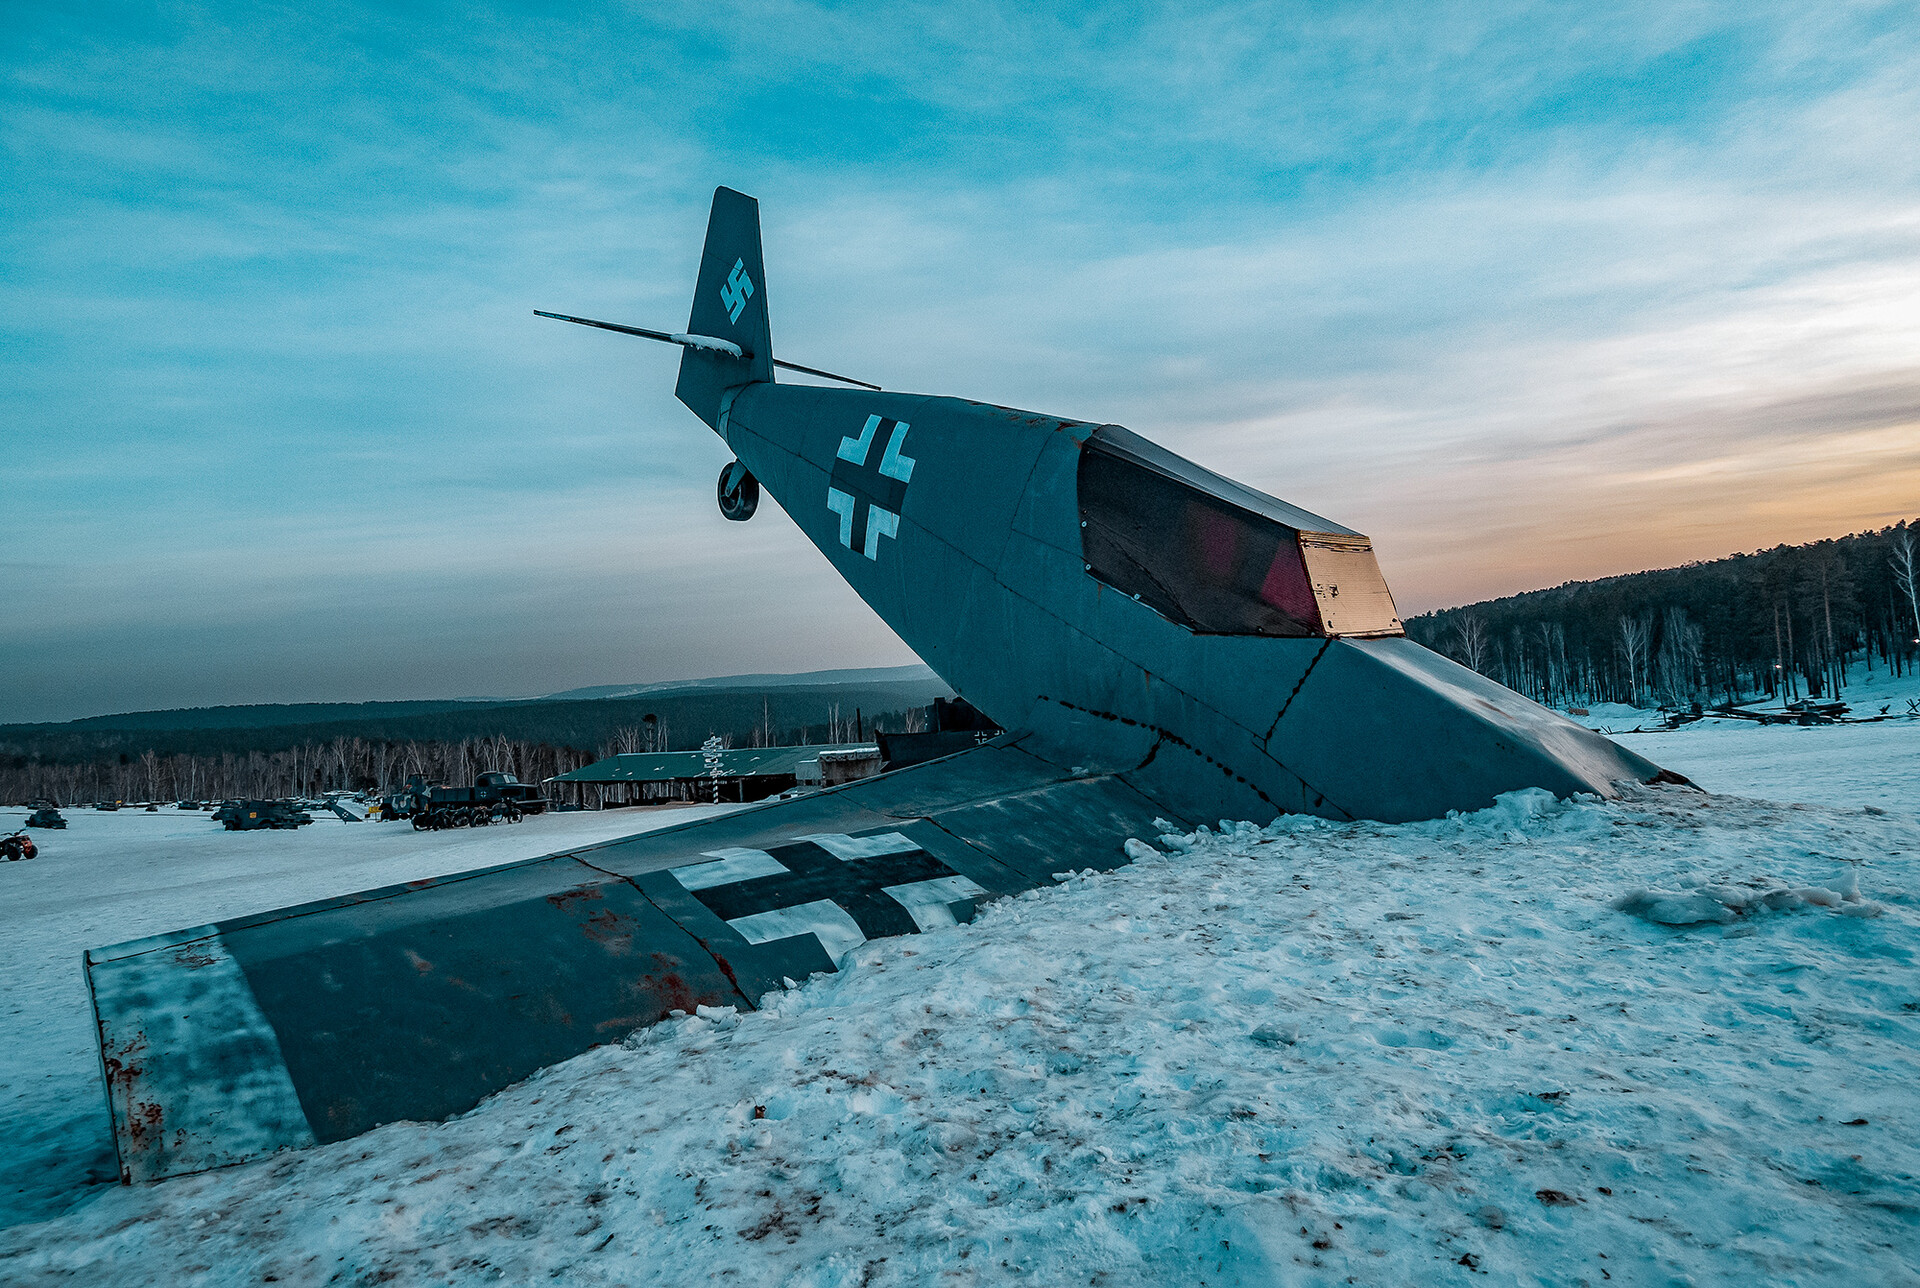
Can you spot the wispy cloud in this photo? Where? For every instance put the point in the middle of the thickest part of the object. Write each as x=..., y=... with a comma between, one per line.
x=1527, y=292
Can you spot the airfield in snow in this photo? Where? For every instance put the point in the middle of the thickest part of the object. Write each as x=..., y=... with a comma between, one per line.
x=1674, y=1039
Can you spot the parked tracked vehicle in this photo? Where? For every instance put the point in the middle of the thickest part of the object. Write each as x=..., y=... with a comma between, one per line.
x=495, y=797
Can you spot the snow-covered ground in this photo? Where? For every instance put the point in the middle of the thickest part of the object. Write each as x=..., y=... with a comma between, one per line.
x=1847, y=764
x=111, y=877
x=1839, y=765
x=1311, y=1053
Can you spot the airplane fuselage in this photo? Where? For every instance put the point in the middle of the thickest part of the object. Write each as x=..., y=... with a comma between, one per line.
x=1199, y=651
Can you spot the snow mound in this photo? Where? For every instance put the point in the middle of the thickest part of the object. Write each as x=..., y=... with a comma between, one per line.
x=1724, y=903
x=1673, y=907
x=1308, y=1052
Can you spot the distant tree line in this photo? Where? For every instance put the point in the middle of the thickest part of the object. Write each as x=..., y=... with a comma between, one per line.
x=1790, y=622
x=350, y=763
x=343, y=764
x=797, y=713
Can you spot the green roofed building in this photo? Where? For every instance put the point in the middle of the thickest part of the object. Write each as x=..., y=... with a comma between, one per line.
x=744, y=773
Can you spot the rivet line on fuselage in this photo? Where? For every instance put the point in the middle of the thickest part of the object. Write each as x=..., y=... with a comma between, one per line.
x=1169, y=736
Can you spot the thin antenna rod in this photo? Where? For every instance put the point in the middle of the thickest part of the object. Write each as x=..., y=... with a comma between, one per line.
x=712, y=344
x=812, y=371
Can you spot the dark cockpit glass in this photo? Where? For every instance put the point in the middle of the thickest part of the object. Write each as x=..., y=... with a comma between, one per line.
x=1194, y=558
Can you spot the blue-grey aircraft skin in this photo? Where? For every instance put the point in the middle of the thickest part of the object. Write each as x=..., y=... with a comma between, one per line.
x=1161, y=643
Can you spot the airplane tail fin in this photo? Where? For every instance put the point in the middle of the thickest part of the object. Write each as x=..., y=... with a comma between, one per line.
x=729, y=303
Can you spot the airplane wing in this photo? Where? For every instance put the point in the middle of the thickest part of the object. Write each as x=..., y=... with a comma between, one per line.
x=315, y=1023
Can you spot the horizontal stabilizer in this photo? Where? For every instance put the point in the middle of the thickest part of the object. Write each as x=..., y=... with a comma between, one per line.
x=711, y=343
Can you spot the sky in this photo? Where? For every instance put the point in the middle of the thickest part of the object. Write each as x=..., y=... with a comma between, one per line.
x=1528, y=293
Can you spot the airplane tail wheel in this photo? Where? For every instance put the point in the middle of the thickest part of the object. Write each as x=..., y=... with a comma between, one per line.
x=739, y=492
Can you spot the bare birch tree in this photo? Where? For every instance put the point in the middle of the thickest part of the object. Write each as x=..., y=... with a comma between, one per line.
x=1470, y=641
x=1633, y=650
x=1902, y=561
x=1677, y=667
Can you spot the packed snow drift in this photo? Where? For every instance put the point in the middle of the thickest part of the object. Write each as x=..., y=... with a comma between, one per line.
x=1667, y=1039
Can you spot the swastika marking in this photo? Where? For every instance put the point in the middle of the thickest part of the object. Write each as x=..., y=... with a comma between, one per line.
x=735, y=292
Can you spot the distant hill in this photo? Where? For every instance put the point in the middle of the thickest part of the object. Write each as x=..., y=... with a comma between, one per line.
x=282, y=714
x=259, y=716
x=858, y=675
x=686, y=713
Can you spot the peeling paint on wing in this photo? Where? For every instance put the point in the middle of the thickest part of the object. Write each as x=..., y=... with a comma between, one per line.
x=222, y=1095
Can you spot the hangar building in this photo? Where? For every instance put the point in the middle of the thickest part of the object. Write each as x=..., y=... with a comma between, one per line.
x=744, y=774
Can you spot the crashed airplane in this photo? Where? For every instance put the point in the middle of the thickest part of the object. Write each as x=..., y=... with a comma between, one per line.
x=1158, y=641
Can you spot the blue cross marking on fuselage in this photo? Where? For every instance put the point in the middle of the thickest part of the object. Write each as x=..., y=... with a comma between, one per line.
x=868, y=497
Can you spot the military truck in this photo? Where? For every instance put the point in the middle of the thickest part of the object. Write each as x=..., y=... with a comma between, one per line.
x=246, y=816
x=495, y=797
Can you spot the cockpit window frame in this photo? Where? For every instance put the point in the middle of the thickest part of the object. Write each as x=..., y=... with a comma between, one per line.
x=1201, y=560
x=1216, y=557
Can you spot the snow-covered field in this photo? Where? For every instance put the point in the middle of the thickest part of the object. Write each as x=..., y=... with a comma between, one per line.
x=1309, y=1053
x=1849, y=764
x=1839, y=765
x=111, y=877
